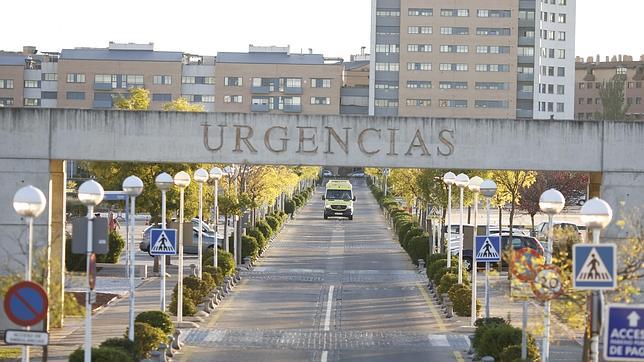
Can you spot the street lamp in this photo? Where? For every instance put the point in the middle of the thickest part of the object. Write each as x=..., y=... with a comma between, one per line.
x=164, y=183
x=461, y=181
x=596, y=214
x=551, y=202
x=132, y=186
x=230, y=172
x=216, y=174
x=29, y=202
x=488, y=190
x=90, y=194
x=181, y=180
x=475, y=187
x=449, y=179
x=201, y=176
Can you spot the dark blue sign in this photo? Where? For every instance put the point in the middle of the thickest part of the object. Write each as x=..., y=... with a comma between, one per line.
x=594, y=266
x=488, y=248
x=25, y=303
x=624, y=335
x=163, y=242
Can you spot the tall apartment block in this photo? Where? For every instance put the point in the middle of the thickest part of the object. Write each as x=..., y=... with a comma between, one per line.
x=28, y=79
x=475, y=59
x=591, y=73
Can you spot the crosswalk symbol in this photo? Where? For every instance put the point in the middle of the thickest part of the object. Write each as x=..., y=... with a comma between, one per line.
x=487, y=248
x=594, y=269
x=487, y=251
x=163, y=242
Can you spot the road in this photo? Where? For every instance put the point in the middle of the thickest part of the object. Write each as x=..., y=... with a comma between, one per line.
x=328, y=290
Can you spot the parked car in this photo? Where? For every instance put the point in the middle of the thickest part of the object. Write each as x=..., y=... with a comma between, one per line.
x=356, y=174
x=327, y=173
x=577, y=198
x=518, y=242
x=541, y=230
x=189, y=247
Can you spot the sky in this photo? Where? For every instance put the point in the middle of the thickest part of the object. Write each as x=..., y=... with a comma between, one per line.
x=335, y=28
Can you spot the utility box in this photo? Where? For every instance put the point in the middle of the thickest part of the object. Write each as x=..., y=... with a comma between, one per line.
x=187, y=232
x=100, y=236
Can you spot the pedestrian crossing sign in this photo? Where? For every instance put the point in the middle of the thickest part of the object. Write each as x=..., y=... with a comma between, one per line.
x=163, y=242
x=488, y=248
x=594, y=266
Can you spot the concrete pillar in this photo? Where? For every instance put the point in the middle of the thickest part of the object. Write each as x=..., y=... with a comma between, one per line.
x=56, y=238
x=624, y=192
x=594, y=184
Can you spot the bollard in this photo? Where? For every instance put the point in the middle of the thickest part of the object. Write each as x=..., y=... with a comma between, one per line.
x=450, y=309
x=445, y=298
x=247, y=262
x=169, y=352
x=471, y=350
x=162, y=350
x=237, y=276
x=421, y=265
x=193, y=270
x=155, y=356
x=487, y=359
x=176, y=344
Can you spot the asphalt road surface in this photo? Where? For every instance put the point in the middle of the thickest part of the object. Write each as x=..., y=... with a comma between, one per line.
x=328, y=290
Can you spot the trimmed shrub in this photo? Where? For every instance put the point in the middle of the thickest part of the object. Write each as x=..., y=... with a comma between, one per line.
x=116, y=245
x=289, y=206
x=432, y=258
x=438, y=268
x=404, y=228
x=208, y=279
x=146, y=339
x=158, y=319
x=225, y=263
x=272, y=222
x=461, y=297
x=216, y=276
x=418, y=247
x=249, y=247
x=189, y=307
x=513, y=354
x=265, y=228
x=101, y=354
x=121, y=343
x=412, y=233
x=481, y=324
x=446, y=282
x=197, y=286
x=73, y=262
x=299, y=201
x=496, y=337
x=258, y=235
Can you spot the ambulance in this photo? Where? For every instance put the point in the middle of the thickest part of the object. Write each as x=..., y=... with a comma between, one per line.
x=338, y=199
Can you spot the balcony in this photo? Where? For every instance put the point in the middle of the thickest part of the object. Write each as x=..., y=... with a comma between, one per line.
x=387, y=93
x=102, y=104
x=524, y=95
x=526, y=23
x=293, y=90
x=524, y=113
x=354, y=110
x=102, y=86
x=260, y=90
x=292, y=108
x=525, y=77
x=523, y=41
x=259, y=108
x=525, y=59
x=527, y=4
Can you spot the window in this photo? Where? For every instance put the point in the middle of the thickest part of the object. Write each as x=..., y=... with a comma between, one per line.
x=561, y=35
x=527, y=88
x=454, y=48
x=629, y=101
x=582, y=85
x=233, y=99
x=490, y=104
x=195, y=80
x=50, y=76
x=6, y=101
x=419, y=66
x=525, y=70
x=386, y=85
x=452, y=85
x=580, y=101
x=638, y=100
x=419, y=29
x=452, y=30
x=79, y=96
x=188, y=80
x=418, y=102
x=542, y=106
x=32, y=84
x=453, y=67
x=589, y=101
x=493, y=31
x=387, y=48
x=550, y=107
x=483, y=13
x=630, y=85
x=48, y=95
x=132, y=81
x=455, y=12
x=293, y=82
x=6, y=83
x=321, y=100
x=560, y=107
x=161, y=97
x=320, y=83
x=638, y=84
x=492, y=68
x=388, y=12
x=420, y=12
x=233, y=81
x=561, y=71
x=561, y=53
x=560, y=89
x=561, y=18
x=492, y=49
x=598, y=85
x=452, y=103
x=103, y=78
x=561, y=2
x=422, y=48
x=525, y=51
x=32, y=102
x=387, y=103
x=526, y=15
x=621, y=70
x=163, y=79
x=387, y=67
x=208, y=99
x=425, y=84
x=492, y=86
x=76, y=78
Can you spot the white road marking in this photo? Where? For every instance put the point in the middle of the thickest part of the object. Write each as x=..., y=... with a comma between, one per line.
x=324, y=356
x=438, y=340
x=329, y=304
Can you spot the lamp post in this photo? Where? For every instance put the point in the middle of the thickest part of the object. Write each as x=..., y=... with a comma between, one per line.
x=164, y=183
x=475, y=187
x=231, y=172
x=90, y=194
x=461, y=181
x=551, y=202
x=181, y=180
x=200, y=177
x=596, y=214
x=29, y=202
x=132, y=186
x=488, y=189
x=216, y=174
x=449, y=179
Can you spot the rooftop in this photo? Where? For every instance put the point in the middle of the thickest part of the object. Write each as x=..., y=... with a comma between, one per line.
x=270, y=58
x=123, y=55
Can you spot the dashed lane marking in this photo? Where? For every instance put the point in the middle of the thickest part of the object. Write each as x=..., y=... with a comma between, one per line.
x=432, y=308
x=329, y=306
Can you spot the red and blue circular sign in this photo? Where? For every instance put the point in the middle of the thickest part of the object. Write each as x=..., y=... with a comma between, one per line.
x=25, y=303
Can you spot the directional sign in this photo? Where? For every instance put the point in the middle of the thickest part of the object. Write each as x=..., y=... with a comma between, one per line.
x=454, y=243
x=29, y=338
x=594, y=266
x=163, y=242
x=25, y=303
x=488, y=248
x=624, y=335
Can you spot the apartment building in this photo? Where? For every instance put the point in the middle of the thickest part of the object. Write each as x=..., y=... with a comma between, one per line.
x=354, y=95
x=480, y=59
x=28, y=79
x=271, y=79
x=592, y=72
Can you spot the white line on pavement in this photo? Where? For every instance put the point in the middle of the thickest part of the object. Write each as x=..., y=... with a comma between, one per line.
x=329, y=304
x=324, y=356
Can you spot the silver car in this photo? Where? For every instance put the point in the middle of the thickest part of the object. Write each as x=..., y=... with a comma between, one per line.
x=189, y=246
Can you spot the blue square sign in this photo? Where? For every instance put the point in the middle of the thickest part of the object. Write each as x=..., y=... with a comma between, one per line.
x=594, y=266
x=488, y=248
x=624, y=334
x=163, y=242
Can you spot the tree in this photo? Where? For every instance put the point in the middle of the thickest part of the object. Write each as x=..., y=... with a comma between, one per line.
x=138, y=99
x=612, y=96
x=181, y=104
x=509, y=183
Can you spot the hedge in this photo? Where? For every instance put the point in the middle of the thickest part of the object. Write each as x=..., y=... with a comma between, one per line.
x=250, y=247
x=411, y=233
x=158, y=319
x=258, y=235
x=102, y=354
x=513, y=354
x=497, y=336
x=265, y=228
x=446, y=282
x=272, y=222
x=461, y=297
x=289, y=206
x=146, y=340
x=418, y=247
x=481, y=325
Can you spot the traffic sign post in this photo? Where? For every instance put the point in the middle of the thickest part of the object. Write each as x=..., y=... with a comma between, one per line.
x=25, y=303
x=624, y=337
x=163, y=242
x=594, y=266
x=26, y=338
x=488, y=249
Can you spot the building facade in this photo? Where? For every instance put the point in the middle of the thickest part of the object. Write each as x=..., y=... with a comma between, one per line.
x=442, y=58
x=592, y=73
